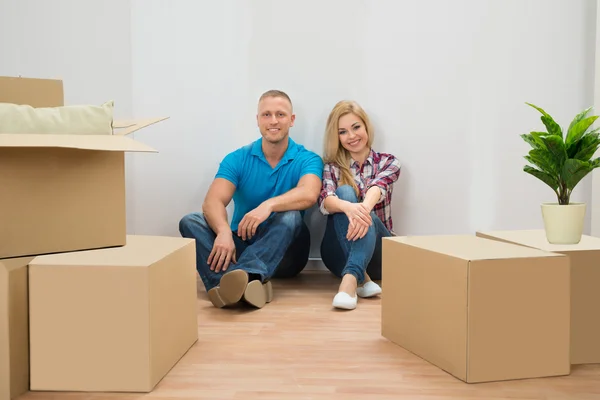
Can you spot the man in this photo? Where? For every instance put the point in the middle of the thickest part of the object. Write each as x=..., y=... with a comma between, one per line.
x=271, y=181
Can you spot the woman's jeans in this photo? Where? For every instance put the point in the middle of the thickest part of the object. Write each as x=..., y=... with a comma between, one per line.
x=342, y=256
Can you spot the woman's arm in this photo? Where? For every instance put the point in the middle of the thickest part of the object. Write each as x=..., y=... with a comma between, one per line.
x=372, y=197
x=328, y=188
x=330, y=203
x=387, y=175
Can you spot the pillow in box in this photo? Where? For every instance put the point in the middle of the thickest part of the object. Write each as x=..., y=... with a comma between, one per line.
x=74, y=120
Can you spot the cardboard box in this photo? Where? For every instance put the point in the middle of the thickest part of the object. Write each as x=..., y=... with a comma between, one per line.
x=14, y=328
x=585, y=287
x=112, y=320
x=477, y=308
x=61, y=192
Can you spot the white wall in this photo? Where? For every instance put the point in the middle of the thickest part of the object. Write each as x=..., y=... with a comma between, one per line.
x=446, y=90
x=445, y=82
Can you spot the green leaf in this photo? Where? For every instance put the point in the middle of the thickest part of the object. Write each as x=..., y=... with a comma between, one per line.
x=595, y=163
x=574, y=171
x=576, y=132
x=548, y=121
x=556, y=148
x=587, y=146
x=543, y=160
x=552, y=126
x=537, y=136
x=538, y=108
x=544, y=177
x=578, y=118
x=584, y=141
x=529, y=138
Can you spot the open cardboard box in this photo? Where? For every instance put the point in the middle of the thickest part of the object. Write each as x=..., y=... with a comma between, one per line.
x=62, y=192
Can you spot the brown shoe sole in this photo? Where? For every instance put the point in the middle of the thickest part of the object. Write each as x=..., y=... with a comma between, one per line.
x=230, y=290
x=234, y=286
x=258, y=294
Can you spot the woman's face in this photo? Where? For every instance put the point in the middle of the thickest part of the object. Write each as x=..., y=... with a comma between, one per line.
x=352, y=133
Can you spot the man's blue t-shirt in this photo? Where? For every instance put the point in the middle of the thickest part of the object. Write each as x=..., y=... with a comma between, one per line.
x=256, y=181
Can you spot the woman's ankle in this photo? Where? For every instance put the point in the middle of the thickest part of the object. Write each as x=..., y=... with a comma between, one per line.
x=349, y=284
x=367, y=279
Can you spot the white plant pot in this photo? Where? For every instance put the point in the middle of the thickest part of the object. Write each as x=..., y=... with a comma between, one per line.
x=563, y=223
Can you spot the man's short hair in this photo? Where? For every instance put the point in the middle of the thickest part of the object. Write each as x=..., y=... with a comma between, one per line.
x=276, y=93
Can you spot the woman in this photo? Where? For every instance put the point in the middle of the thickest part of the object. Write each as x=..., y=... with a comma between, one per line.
x=356, y=196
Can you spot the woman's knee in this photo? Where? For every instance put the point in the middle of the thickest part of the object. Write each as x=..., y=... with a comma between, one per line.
x=347, y=193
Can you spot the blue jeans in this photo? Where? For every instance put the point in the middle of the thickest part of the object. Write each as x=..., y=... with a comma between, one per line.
x=279, y=249
x=342, y=256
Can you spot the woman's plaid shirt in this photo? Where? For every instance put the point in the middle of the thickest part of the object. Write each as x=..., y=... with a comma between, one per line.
x=379, y=169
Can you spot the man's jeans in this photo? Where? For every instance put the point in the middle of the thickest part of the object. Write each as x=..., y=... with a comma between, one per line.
x=342, y=256
x=279, y=249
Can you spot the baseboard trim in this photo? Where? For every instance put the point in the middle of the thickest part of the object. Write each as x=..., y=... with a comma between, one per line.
x=315, y=264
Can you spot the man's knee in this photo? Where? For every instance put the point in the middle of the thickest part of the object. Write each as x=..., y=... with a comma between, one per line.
x=296, y=256
x=191, y=223
x=290, y=219
x=347, y=193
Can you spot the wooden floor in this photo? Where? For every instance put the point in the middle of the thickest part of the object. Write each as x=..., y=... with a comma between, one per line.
x=299, y=348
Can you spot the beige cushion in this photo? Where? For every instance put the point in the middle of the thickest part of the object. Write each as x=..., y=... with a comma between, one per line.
x=75, y=120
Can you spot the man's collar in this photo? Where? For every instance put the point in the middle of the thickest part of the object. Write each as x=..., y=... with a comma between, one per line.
x=290, y=152
x=257, y=148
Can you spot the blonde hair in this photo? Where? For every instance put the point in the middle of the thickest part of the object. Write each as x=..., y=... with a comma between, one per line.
x=334, y=151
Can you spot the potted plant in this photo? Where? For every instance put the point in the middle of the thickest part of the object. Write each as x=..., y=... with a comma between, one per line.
x=561, y=161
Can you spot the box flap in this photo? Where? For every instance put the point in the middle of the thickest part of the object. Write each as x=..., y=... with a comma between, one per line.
x=11, y=264
x=470, y=247
x=125, y=127
x=82, y=142
x=34, y=92
x=537, y=238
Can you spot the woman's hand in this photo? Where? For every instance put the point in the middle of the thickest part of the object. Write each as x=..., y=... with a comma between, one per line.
x=360, y=220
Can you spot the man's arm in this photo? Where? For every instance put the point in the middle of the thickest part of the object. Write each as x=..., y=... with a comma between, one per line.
x=218, y=197
x=303, y=196
x=214, y=208
x=306, y=192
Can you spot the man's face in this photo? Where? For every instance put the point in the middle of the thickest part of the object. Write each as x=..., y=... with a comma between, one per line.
x=275, y=118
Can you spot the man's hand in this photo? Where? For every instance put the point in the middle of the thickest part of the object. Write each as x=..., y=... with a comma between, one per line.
x=222, y=253
x=248, y=225
x=360, y=220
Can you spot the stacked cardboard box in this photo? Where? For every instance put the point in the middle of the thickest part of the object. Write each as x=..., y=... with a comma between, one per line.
x=83, y=305
x=480, y=309
x=14, y=328
x=585, y=281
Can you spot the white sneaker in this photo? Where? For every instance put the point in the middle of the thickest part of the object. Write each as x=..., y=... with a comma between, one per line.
x=345, y=301
x=369, y=289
